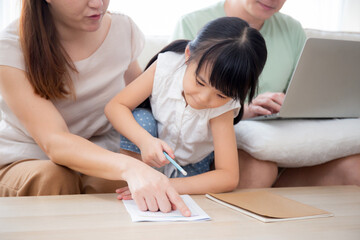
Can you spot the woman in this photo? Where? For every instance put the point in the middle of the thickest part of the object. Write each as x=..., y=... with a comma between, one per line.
x=59, y=66
x=284, y=39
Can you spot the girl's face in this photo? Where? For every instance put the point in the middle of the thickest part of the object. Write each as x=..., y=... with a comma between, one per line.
x=198, y=93
x=85, y=15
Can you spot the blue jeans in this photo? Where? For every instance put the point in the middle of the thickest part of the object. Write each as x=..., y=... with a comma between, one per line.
x=145, y=118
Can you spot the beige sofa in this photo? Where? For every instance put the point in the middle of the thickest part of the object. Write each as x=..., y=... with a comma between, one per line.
x=154, y=43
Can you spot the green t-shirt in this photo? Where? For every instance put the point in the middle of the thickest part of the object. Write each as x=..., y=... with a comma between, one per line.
x=284, y=37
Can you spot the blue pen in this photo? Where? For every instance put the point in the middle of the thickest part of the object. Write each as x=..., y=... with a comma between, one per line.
x=175, y=164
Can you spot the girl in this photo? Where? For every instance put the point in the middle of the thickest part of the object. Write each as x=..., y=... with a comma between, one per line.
x=196, y=90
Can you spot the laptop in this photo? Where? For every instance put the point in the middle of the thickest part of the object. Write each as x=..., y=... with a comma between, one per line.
x=325, y=83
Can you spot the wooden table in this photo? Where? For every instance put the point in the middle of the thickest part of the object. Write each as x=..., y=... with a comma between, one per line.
x=102, y=216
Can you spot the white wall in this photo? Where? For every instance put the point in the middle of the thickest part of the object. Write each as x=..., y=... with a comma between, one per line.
x=150, y=15
x=331, y=15
x=9, y=10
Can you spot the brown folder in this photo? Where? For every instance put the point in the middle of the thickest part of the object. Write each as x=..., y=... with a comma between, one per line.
x=267, y=206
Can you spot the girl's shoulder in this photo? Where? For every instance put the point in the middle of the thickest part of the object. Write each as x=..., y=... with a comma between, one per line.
x=171, y=58
x=231, y=105
x=170, y=70
x=168, y=62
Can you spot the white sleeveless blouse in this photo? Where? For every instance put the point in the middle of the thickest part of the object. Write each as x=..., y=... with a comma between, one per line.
x=185, y=129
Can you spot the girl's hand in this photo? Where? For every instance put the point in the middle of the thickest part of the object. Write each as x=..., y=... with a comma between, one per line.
x=152, y=152
x=151, y=190
x=264, y=104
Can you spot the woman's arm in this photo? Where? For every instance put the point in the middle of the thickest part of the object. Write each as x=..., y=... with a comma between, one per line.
x=225, y=177
x=118, y=111
x=49, y=130
x=47, y=127
x=132, y=72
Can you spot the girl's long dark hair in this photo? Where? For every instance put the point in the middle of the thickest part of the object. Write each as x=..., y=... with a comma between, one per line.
x=235, y=52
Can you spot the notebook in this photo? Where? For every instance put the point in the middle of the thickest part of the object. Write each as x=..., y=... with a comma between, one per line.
x=325, y=83
x=267, y=207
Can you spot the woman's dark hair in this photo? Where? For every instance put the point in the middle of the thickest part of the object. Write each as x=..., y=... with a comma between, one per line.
x=47, y=64
x=235, y=52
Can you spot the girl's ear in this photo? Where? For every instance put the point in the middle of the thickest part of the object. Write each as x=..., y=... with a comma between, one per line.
x=187, y=53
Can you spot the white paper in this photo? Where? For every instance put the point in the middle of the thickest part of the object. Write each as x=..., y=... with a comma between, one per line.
x=197, y=214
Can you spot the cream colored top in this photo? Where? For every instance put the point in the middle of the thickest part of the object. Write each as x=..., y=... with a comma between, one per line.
x=100, y=78
x=185, y=129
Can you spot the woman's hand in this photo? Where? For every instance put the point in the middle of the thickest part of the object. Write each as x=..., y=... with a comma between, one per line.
x=264, y=104
x=151, y=190
x=124, y=193
x=152, y=152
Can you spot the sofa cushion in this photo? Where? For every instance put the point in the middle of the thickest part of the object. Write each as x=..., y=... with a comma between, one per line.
x=298, y=143
x=153, y=44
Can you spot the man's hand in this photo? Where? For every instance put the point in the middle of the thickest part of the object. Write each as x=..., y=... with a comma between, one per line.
x=264, y=104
